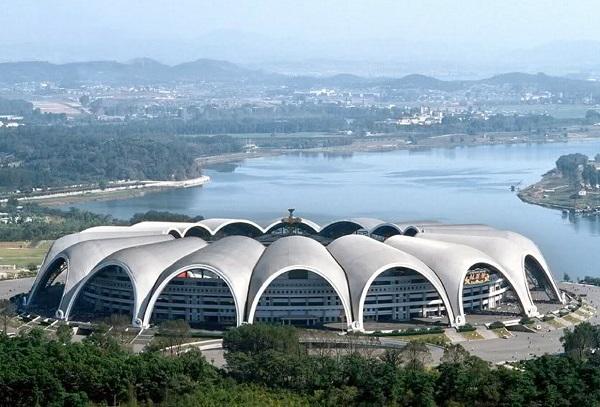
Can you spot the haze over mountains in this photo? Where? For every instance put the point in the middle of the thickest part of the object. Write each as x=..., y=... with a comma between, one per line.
x=365, y=57
x=148, y=71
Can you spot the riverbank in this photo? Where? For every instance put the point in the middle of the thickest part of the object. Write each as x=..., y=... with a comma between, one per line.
x=555, y=192
x=115, y=190
x=383, y=143
x=372, y=143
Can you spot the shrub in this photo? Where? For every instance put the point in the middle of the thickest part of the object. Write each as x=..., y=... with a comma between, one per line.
x=466, y=328
x=526, y=321
x=496, y=325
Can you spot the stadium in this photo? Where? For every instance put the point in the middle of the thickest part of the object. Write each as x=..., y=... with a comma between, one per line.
x=350, y=272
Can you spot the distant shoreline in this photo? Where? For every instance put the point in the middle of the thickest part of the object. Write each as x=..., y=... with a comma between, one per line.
x=554, y=192
x=377, y=144
x=116, y=190
x=383, y=144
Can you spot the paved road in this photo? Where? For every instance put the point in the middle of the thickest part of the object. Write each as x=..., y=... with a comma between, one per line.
x=8, y=288
x=527, y=345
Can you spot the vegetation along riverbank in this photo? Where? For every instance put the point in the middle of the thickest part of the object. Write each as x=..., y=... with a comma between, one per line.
x=573, y=185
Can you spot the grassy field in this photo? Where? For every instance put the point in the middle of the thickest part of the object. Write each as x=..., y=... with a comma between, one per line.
x=472, y=335
x=502, y=332
x=436, y=339
x=554, y=323
x=22, y=254
x=571, y=319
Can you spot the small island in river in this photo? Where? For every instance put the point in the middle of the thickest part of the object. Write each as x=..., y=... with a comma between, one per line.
x=573, y=185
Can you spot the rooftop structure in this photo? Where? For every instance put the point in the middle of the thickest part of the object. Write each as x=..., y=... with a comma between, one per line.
x=292, y=270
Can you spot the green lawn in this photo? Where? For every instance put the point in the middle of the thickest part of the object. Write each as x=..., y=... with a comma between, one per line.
x=436, y=339
x=501, y=332
x=554, y=323
x=472, y=335
x=571, y=319
x=22, y=254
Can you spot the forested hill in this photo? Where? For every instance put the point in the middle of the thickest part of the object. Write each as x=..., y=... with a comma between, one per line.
x=64, y=155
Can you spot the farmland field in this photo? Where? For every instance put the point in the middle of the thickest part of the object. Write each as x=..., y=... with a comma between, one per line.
x=22, y=254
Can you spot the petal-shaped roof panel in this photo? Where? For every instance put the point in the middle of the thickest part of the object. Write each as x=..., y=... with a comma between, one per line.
x=144, y=264
x=489, y=240
x=451, y=262
x=83, y=257
x=232, y=258
x=67, y=241
x=364, y=259
x=297, y=253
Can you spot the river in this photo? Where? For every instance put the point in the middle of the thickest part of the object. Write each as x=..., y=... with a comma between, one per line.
x=461, y=185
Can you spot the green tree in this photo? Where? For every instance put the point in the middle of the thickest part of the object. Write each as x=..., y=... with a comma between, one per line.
x=416, y=355
x=455, y=354
x=174, y=333
x=256, y=338
x=64, y=333
x=579, y=342
x=7, y=311
x=392, y=357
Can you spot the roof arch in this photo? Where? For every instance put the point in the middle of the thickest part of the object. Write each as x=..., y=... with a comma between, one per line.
x=411, y=231
x=505, y=251
x=162, y=227
x=232, y=258
x=216, y=224
x=364, y=259
x=198, y=230
x=386, y=230
x=67, y=241
x=309, y=225
x=342, y=227
x=523, y=244
x=451, y=262
x=297, y=253
x=143, y=264
x=84, y=256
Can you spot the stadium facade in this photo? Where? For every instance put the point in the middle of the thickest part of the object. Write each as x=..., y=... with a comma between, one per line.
x=233, y=271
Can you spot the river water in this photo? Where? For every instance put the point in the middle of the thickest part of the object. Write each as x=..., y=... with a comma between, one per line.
x=461, y=185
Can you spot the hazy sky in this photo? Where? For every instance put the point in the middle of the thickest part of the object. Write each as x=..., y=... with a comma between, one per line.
x=72, y=30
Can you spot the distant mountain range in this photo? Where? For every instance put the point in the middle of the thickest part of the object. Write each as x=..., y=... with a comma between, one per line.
x=148, y=71
x=138, y=71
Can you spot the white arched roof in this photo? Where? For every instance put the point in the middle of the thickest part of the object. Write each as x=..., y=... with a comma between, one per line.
x=523, y=245
x=451, y=262
x=162, y=227
x=349, y=264
x=84, y=256
x=279, y=222
x=104, y=229
x=143, y=265
x=67, y=241
x=394, y=226
x=200, y=226
x=360, y=223
x=215, y=225
x=508, y=254
x=297, y=253
x=232, y=258
x=364, y=259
